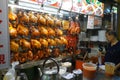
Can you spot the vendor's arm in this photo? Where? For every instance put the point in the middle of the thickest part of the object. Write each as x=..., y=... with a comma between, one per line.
x=117, y=66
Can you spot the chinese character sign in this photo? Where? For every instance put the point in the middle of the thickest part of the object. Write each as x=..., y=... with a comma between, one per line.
x=4, y=35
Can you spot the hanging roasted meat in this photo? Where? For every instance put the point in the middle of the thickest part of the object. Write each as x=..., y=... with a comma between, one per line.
x=29, y=55
x=56, y=52
x=64, y=40
x=51, y=42
x=20, y=14
x=43, y=30
x=40, y=54
x=14, y=46
x=34, y=31
x=25, y=44
x=23, y=57
x=12, y=31
x=58, y=41
x=77, y=30
x=15, y=57
x=44, y=42
x=11, y=15
x=35, y=57
x=50, y=20
x=22, y=30
x=58, y=22
x=51, y=32
x=24, y=18
x=32, y=17
x=72, y=27
x=47, y=52
x=65, y=24
x=35, y=44
x=41, y=19
x=59, y=32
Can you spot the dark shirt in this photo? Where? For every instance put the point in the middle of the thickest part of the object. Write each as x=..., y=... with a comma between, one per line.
x=113, y=53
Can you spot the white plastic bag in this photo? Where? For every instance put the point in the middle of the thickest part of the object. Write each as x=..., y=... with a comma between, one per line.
x=11, y=74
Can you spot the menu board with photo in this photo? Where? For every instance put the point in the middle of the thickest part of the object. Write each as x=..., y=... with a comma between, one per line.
x=93, y=7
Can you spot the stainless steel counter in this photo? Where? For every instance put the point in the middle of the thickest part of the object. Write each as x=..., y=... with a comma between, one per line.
x=101, y=76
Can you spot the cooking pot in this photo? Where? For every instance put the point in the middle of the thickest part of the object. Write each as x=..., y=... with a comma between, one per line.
x=50, y=74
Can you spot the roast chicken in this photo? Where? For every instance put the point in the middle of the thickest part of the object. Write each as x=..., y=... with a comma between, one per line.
x=58, y=41
x=47, y=52
x=44, y=42
x=22, y=30
x=14, y=46
x=51, y=32
x=65, y=24
x=64, y=40
x=24, y=17
x=35, y=44
x=15, y=57
x=32, y=17
x=43, y=30
x=59, y=32
x=23, y=57
x=58, y=22
x=29, y=55
x=12, y=31
x=20, y=14
x=41, y=19
x=56, y=52
x=12, y=15
x=40, y=54
x=25, y=44
x=51, y=42
x=34, y=32
x=50, y=20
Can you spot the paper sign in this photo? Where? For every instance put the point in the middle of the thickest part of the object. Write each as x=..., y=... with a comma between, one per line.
x=4, y=35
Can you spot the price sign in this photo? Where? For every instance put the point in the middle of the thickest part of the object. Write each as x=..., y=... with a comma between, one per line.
x=4, y=35
x=90, y=23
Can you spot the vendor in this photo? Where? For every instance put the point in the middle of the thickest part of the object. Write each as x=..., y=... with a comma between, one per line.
x=113, y=49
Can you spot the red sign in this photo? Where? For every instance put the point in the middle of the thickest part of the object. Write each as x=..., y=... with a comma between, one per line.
x=1, y=46
x=2, y=59
x=0, y=11
x=0, y=21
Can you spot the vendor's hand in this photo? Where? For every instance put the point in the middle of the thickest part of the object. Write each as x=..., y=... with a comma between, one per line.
x=117, y=66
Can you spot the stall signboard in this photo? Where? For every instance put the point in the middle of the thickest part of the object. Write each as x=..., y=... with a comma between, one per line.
x=4, y=35
x=93, y=7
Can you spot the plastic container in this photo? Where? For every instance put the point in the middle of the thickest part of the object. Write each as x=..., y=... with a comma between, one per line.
x=109, y=68
x=89, y=71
